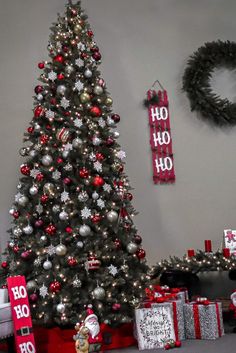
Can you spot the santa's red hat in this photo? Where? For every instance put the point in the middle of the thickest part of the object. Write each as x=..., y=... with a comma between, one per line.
x=90, y=314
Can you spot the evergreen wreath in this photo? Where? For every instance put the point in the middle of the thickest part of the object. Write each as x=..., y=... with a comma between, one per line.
x=196, y=82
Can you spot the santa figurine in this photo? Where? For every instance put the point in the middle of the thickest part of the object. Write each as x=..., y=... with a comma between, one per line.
x=95, y=336
x=232, y=306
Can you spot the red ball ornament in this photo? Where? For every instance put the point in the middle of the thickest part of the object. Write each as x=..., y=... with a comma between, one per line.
x=116, y=307
x=30, y=129
x=83, y=173
x=59, y=160
x=84, y=55
x=138, y=239
x=38, y=223
x=129, y=196
x=167, y=346
x=39, y=177
x=49, y=127
x=38, y=111
x=16, y=249
x=65, y=48
x=25, y=169
x=96, y=218
x=94, y=49
x=67, y=181
x=90, y=33
x=177, y=344
x=97, y=56
x=4, y=265
x=74, y=12
x=38, y=89
x=121, y=168
x=72, y=262
x=25, y=255
x=60, y=76
x=33, y=297
x=96, y=111
x=98, y=181
x=117, y=243
x=51, y=229
x=100, y=156
x=41, y=65
x=69, y=230
x=53, y=101
x=141, y=253
x=58, y=59
x=115, y=118
x=55, y=287
x=44, y=139
x=16, y=214
x=44, y=198
x=110, y=141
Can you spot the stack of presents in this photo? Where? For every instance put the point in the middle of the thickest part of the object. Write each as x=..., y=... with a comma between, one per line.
x=166, y=317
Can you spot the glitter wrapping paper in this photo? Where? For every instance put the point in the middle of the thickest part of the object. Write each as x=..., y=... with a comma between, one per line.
x=154, y=326
x=183, y=296
x=177, y=308
x=203, y=321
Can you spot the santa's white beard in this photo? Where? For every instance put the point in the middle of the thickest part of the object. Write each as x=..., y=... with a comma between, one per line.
x=93, y=327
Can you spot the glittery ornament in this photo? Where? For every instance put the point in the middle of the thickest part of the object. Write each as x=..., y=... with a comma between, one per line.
x=99, y=293
x=28, y=229
x=51, y=229
x=83, y=196
x=38, y=89
x=44, y=198
x=25, y=169
x=83, y=173
x=23, y=200
x=98, y=181
x=31, y=286
x=17, y=231
x=141, y=253
x=77, y=283
x=77, y=143
x=38, y=111
x=132, y=248
x=72, y=262
x=80, y=244
x=63, y=135
x=63, y=216
x=55, y=287
x=61, y=89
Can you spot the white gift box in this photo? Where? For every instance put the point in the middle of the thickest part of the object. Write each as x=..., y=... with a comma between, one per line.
x=3, y=296
x=154, y=326
x=6, y=323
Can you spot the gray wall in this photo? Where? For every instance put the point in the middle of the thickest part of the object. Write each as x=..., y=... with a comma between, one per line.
x=140, y=41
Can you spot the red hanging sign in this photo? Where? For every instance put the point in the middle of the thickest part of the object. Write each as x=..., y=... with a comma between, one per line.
x=160, y=138
x=21, y=317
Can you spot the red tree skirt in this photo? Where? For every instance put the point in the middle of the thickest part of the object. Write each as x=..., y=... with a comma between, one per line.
x=56, y=340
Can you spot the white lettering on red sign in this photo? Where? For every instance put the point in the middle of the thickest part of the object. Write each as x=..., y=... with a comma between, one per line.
x=19, y=292
x=163, y=164
x=159, y=113
x=27, y=347
x=161, y=138
x=22, y=311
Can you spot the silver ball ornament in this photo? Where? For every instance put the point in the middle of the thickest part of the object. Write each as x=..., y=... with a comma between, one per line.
x=31, y=286
x=47, y=160
x=69, y=69
x=33, y=153
x=98, y=90
x=95, y=195
x=88, y=73
x=12, y=210
x=77, y=143
x=23, y=200
x=132, y=248
x=61, y=250
x=61, y=89
x=80, y=244
x=84, y=230
x=99, y=293
x=56, y=208
x=47, y=265
x=28, y=229
x=63, y=216
x=37, y=127
x=17, y=231
x=112, y=216
x=33, y=190
x=61, y=308
x=65, y=154
x=43, y=239
x=96, y=141
x=77, y=283
x=39, y=97
x=116, y=134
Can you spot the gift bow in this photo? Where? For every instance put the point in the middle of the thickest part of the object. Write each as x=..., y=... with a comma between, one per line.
x=202, y=301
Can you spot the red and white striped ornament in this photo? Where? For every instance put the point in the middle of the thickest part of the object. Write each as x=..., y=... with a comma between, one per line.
x=63, y=134
x=93, y=263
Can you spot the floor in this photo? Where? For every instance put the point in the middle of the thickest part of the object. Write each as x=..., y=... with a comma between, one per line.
x=225, y=344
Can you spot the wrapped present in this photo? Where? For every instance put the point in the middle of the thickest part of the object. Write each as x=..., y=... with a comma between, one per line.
x=177, y=316
x=181, y=293
x=154, y=326
x=203, y=319
x=3, y=295
x=6, y=324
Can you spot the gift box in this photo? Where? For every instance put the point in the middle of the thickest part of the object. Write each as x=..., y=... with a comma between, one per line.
x=203, y=320
x=6, y=324
x=181, y=293
x=3, y=296
x=154, y=326
x=177, y=309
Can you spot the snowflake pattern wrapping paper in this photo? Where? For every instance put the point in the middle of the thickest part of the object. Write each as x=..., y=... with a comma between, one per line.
x=203, y=321
x=154, y=326
x=177, y=307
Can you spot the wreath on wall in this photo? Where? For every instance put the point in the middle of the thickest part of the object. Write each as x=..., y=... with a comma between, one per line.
x=197, y=82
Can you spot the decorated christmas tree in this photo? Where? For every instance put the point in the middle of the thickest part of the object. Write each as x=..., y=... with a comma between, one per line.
x=73, y=236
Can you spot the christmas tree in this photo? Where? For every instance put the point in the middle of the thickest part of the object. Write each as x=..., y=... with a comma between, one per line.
x=73, y=237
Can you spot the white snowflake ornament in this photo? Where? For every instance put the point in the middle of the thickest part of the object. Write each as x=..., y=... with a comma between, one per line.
x=78, y=122
x=121, y=155
x=112, y=270
x=52, y=76
x=65, y=196
x=85, y=213
x=79, y=85
x=56, y=175
x=97, y=166
x=43, y=291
